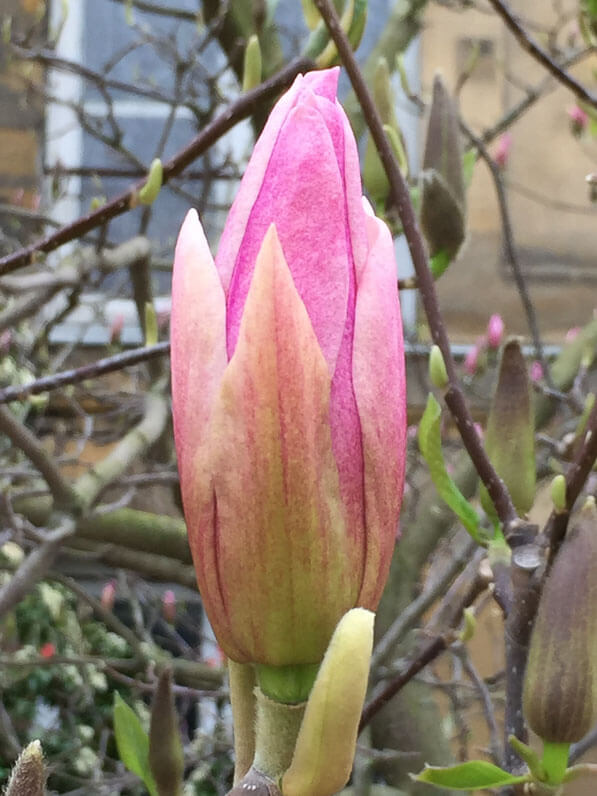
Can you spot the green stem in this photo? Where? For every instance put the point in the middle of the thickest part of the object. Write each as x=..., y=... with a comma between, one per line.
x=276, y=729
x=555, y=761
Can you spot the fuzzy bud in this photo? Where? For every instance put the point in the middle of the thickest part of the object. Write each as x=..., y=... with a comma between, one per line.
x=28, y=777
x=510, y=434
x=166, y=757
x=560, y=688
x=442, y=185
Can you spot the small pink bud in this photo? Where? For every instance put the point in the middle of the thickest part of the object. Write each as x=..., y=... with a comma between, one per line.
x=5, y=341
x=536, y=371
x=116, y=328
x=495, y=331
x=47, y=650
x=479, y=429
x=471, y=360
x=501, y=154
x=572, y=334
x=108, y=595
x=216, y=660
x=578, y=120
x=169, y=606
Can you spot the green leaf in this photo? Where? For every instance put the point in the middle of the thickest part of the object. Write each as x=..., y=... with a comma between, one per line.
x=132, y=742
x=431, y=448
x=469, y=776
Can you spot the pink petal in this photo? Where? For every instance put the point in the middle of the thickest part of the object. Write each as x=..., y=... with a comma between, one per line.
x=380, y=388
x=303, y=196
x=198, y=335
x=280, y=518
x=198, y=361
x=323, y=83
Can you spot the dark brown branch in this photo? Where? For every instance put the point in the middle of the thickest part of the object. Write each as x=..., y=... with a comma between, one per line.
x=401, y=199
x=540, y=55
x=212, y=132
x=579, y=470
x=91, y=371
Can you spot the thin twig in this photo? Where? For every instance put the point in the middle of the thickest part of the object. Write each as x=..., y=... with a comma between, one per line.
x=577, y=474
x=211, y=133
x=540, y=55
x=401, y=199
x=24, y=440
x=90, y=371
x=411, y=614
x=510, y=248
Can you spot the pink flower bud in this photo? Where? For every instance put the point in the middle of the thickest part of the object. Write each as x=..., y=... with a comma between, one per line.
x=578, y=120
x=47, y=650
x=536, y=371
x=495, y=331
x=108, y=595
x=572, y=334
x=501, y=154
x=169, y=606
x=288, y=390
x=116, y=328
x=471, y=360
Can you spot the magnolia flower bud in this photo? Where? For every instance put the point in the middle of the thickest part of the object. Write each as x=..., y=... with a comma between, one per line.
x=288, y=390
x=495, y=331
x=510, y=434
x=442, y=184
x=560, y=690
x=28, y=777
x=578, y=120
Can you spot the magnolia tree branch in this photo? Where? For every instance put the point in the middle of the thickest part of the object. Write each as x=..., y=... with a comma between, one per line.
x=463, y=592
x=576, y=477
x=212, y=132
x=400, y=195
x=510, y=248
x=20, y=436
x=91, y=371
x=539, y=54
x=138, y=440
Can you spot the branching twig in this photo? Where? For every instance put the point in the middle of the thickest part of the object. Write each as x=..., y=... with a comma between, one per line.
x=540, y=55
x=90, y=371
x=211, y=133
x=579, y=470
x=24, y=440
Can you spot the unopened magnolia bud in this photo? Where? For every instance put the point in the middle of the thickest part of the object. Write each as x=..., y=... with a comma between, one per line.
x=169, y=605
x=442, y=217
x=108, y=595
x=252, y=65
x=437, y=369
x=510, y=434
x=558, y=492
x=578, y=120
x=442, y=185
x=495, y=331
x=28, y=777
x=166, y=756
x=560, y=690
x=501, y=154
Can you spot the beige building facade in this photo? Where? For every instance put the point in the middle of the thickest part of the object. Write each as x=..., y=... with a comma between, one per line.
x=554, y=222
